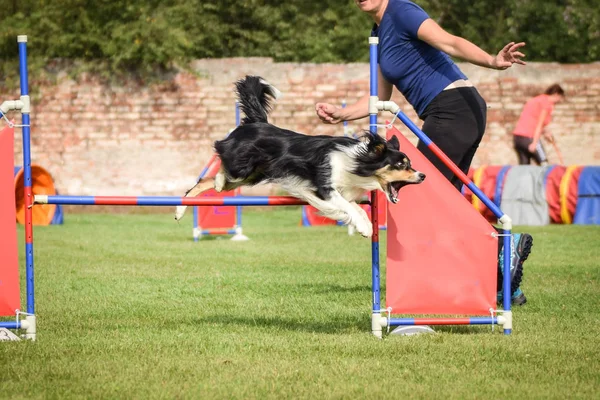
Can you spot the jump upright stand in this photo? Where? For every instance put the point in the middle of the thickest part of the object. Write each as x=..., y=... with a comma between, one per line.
x=23, y=105
x=381, y=318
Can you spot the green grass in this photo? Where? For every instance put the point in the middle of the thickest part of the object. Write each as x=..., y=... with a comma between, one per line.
x=130, y=307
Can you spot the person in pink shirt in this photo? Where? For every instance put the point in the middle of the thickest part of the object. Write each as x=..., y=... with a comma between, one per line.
x=536, y=115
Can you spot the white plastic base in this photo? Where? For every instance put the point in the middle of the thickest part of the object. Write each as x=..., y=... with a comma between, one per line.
x=7, y=336
x=30, y=326
x=412, y=330
x=196, y=234
x=377, y=322
x=239, y=236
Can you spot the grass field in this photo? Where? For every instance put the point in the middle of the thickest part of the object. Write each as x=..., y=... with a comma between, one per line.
x=130, y=307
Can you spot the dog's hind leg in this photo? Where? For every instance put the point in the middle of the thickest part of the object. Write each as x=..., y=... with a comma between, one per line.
x=220, y=180
x=225, y=183
x=202, y=186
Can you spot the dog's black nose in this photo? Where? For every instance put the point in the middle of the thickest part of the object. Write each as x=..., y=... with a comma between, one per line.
x=421, y=176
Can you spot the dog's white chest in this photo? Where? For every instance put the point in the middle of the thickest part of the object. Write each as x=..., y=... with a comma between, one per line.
x=349, y=185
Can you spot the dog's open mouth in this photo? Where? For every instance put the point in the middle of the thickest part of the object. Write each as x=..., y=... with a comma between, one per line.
x=393, y=189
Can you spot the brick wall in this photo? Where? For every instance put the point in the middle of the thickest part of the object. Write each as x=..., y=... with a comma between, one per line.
x=154, y=140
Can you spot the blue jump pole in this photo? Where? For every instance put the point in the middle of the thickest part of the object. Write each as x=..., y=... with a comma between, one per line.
x=375, y=267
x=10, y=325
x=238, y=210
x=171, y=201
x=24, y=81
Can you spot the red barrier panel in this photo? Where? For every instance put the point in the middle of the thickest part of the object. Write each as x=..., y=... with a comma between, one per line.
x=441, y=253
x=217, y=217
x=9, y=261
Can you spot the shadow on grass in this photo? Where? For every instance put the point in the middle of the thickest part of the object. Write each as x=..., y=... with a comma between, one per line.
x=324, y=288
x=334, y=325
x=463, y=329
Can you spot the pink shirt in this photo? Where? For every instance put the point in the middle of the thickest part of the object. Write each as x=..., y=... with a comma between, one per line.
x=531, y=114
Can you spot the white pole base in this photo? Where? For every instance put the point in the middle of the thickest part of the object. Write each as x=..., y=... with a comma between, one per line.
x=30, y=326
x=377, y=322
x=239, y=236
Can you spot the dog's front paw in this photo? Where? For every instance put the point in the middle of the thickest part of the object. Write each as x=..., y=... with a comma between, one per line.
x=179, y=212
x=365, y=228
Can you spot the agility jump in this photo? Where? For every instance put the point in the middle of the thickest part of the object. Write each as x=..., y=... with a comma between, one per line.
x=23, y=105
x=381, y=318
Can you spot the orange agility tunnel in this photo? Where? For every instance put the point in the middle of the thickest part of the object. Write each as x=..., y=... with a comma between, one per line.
x=41, y=184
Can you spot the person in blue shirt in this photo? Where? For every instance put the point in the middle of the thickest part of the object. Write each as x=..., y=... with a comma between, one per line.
x=414, y=56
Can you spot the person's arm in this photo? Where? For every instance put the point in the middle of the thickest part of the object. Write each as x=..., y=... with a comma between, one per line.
x=332, y=114
x=538, y=130
x=456, y=46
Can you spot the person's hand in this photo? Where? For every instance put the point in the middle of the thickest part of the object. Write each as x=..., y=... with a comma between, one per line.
x=328, y=113
x=532, y=147
x=508, y=56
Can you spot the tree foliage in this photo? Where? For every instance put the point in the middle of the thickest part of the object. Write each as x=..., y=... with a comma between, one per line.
x=146, y=36
x=566, y=31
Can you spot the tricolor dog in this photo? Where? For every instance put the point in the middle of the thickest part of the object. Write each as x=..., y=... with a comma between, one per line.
x=328, y=172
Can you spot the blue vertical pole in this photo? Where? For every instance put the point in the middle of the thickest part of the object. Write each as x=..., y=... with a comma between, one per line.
x=373, y=42
x=506, y=293
x=238, y=213
x=24, y=80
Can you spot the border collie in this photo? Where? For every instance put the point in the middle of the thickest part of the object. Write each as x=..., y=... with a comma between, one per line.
x=328, y=172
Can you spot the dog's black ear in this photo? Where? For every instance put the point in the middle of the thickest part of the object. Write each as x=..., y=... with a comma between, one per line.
x=394, y=143
x=375, y=146
x=379, y=148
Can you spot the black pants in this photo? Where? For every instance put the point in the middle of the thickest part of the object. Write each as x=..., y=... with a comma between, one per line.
x=455, y=121
x=521, y=144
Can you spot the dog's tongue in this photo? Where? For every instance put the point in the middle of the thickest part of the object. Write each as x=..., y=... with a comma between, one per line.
x=393, y=192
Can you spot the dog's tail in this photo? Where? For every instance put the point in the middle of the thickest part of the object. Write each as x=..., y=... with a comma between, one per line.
x=255, y=96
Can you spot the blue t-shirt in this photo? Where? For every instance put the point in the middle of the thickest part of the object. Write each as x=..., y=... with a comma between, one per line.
x=417, y=69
